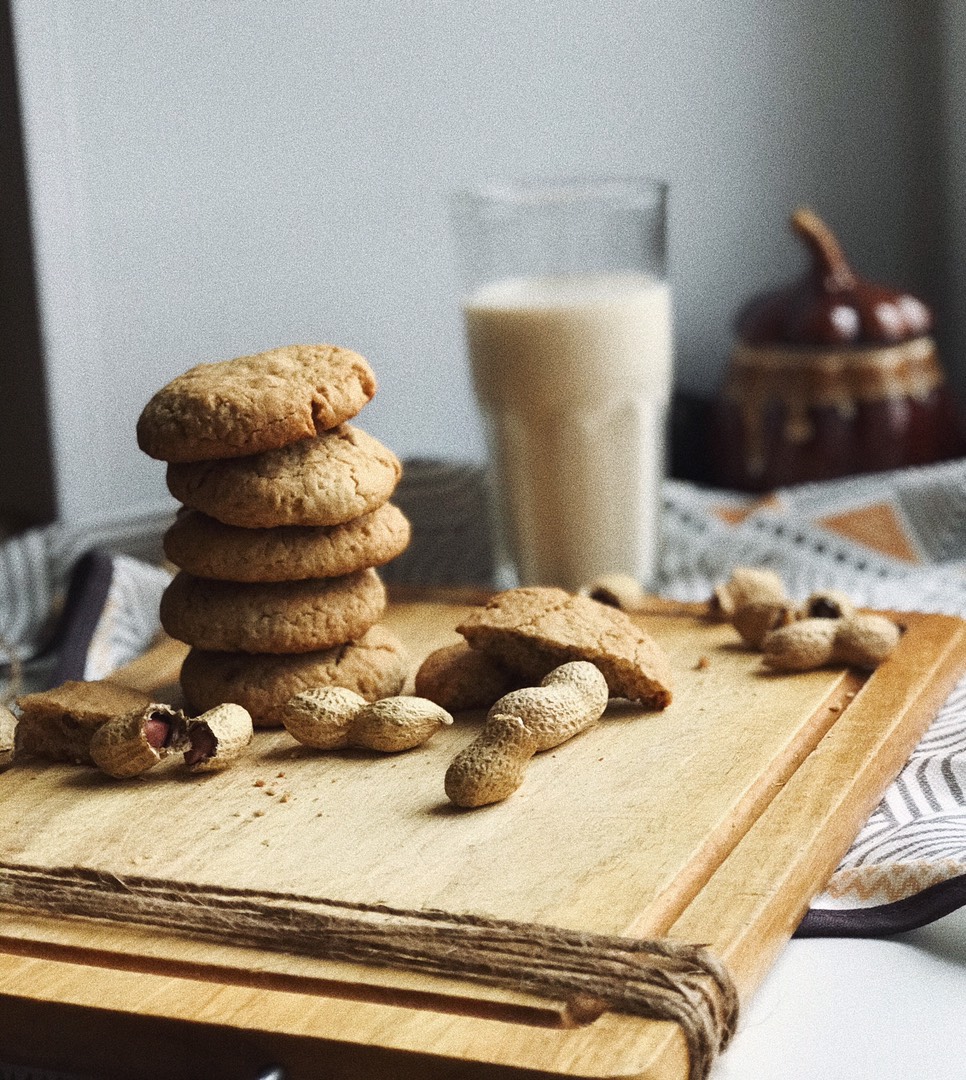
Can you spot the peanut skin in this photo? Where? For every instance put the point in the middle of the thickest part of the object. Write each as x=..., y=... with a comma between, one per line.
x=800, y=646
x=864, y=641
x=861, y=641
x=571, y=698
x=131, y=744
x=828, y=604
x=756, y=620
x=492, y=767
x=747, y=584
x=217, y=738
x=825, y=629
x=617, y=590
x=320, y=717
x=397, y=723
x=329, y=718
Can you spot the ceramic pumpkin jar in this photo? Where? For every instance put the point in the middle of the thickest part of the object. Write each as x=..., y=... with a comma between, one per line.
x=831, y=375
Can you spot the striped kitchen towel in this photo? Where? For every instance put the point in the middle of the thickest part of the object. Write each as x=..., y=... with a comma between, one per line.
x=71, y=612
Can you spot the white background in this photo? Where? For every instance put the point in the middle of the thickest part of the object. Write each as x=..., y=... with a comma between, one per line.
x=837, y=1009
x=220, y=177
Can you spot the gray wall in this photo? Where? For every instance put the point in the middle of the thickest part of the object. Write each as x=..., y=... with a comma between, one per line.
x=213, y=178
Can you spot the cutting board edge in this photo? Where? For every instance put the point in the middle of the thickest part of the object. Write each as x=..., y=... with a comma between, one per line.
x=945, y=669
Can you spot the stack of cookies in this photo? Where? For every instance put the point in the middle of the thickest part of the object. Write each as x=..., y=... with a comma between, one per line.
x=285, y=517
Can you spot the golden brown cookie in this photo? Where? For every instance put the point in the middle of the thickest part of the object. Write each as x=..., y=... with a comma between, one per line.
x=327, y=480
x=58, y=724
x=375, y=666
x=206, y=548
x=278, y=617
x=245, y=406
x=458, y=677
x=534, y=630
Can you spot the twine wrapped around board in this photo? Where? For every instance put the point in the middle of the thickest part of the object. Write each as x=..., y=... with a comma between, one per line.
x=655, y=979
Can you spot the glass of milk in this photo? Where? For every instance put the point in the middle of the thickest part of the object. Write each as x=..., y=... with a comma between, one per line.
x=568, y=325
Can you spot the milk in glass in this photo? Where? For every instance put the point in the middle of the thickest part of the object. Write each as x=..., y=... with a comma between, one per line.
x=573, y=374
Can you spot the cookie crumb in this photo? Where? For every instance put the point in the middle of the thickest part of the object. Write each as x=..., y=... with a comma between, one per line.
x=258, y=813
x=286, y=796
x=703, y=664
x=258, y=783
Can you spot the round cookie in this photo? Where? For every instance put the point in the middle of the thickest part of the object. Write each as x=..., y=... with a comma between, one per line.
x=328, y=480
x=207, y=548
x=280, y=617
x=375, y=666
x=245, y=406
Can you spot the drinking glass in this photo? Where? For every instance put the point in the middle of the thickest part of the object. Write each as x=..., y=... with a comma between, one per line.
x=567, y=311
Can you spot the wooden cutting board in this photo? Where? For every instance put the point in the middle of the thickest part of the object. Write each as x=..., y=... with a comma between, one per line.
x=713, y=822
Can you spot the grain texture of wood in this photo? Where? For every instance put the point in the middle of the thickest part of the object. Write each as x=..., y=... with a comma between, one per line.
x=639, y=810
x=715, y=821
x=755, y=900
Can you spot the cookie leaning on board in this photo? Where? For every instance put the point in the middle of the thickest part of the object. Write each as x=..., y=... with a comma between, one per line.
x=521, y=635
x=580, y=652
x=58, y=724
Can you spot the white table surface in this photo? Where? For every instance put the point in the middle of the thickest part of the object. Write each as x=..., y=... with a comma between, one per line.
x=859, y=1009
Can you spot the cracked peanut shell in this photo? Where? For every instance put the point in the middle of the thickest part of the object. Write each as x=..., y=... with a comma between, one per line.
x=534, y=630
x=132, y=744
x=217, y=738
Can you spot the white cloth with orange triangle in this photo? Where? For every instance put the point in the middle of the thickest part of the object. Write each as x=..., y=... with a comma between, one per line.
x=894, y=541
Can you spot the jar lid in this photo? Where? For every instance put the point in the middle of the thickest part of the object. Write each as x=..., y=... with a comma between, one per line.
x=831, y=304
